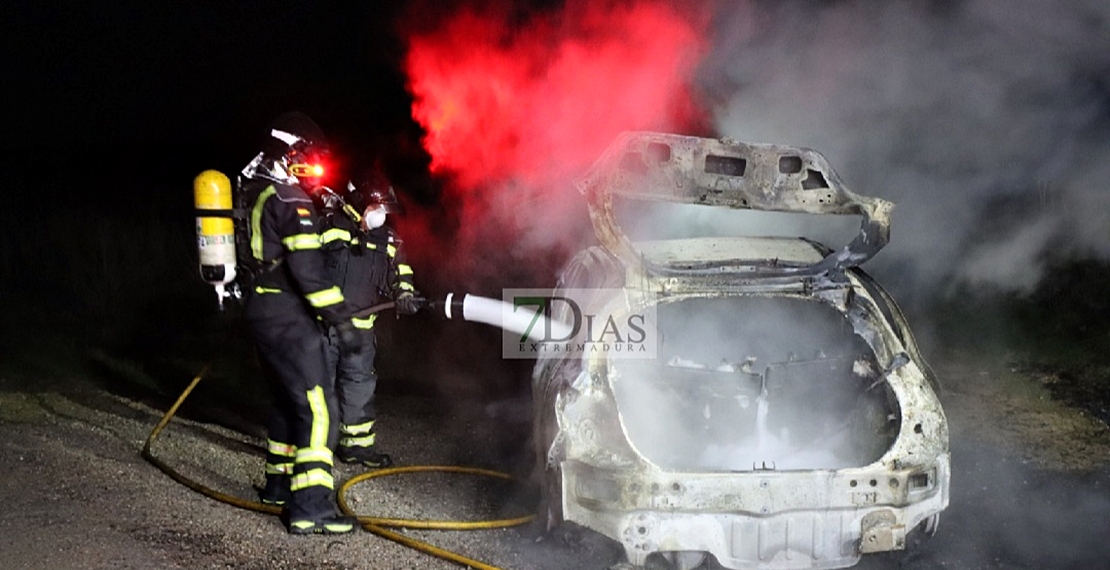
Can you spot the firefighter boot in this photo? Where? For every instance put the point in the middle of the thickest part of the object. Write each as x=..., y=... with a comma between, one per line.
x=329, y=524
x=312, y=511
x=276, y=492
x=365, y=456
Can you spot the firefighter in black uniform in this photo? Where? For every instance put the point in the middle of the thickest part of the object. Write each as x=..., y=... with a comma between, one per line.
x=366, y=261
x=288, y=291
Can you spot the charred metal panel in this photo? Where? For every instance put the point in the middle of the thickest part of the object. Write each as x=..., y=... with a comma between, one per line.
x=726, y=173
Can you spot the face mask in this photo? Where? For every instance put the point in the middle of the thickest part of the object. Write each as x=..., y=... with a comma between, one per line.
x=373, y=217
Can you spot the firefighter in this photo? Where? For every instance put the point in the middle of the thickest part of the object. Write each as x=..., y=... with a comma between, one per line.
x=289, y=289
x=366, y=260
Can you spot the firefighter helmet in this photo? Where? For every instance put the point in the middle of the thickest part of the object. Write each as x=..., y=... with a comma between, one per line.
x=384, y=197
x=293, y=153
x=296, y=131
x=372, y=190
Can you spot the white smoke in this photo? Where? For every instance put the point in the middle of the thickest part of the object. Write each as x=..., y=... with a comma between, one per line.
x=980, y=119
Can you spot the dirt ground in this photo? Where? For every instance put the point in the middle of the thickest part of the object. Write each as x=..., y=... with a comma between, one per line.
x=1007, y=404
x=78, y=495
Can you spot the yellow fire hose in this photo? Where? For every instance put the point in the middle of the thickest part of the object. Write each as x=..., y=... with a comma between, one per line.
x=375, y=525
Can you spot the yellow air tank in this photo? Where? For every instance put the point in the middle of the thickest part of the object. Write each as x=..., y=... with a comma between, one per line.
x=215, y=232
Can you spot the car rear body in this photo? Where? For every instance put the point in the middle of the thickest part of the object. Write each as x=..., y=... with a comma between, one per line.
x=785, y=418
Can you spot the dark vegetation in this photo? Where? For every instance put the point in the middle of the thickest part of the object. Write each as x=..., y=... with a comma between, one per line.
x=1072, y=351
x=99, y=274
x=1059, y=333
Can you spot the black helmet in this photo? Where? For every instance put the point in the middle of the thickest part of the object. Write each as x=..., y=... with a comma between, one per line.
x=384, y=197
x=294, y=152
x=373, y=189
x=294, y=132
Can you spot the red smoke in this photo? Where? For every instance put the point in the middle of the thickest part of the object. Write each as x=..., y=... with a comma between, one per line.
x=514, y=111
x=496, y=100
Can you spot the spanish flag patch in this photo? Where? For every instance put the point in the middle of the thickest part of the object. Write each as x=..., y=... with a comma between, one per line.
x=303, y=212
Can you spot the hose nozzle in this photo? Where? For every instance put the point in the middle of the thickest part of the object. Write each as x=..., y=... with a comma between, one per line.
x=501, y=314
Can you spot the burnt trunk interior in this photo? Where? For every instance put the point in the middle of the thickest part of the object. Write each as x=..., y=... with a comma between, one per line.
x=745, y=383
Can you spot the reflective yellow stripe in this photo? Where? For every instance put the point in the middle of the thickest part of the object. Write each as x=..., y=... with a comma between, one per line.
x=365, y=441
x=337, y=527
x=302, y=242
x=357, y=429
x=335, y=234
x=314, y=454
x=325, y=298
x=320, y=418
x=404, y=269
x=406, y=286
x=365, y=324
x=391, y=250
x=282, y=449
x=256, y=222
x=279, y=468
x=312, y=478
x=371, y=246
x=264, y=290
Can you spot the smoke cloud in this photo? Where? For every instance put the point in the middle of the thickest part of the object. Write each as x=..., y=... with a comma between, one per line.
x=985, y=124
x=984, y=121
x=516, y=107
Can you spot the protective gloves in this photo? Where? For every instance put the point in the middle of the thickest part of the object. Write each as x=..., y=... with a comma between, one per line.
x=348, y=338
x=407, y=304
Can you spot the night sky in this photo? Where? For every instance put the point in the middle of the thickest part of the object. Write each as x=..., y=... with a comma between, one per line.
x=199, y=81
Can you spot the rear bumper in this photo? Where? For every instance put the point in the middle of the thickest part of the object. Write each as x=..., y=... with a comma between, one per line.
x=761, y=519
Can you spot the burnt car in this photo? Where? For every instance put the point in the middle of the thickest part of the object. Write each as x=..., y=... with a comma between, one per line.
x=785, y=417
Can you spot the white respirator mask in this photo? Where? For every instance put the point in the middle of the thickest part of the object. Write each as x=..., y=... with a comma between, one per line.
x=373, y=217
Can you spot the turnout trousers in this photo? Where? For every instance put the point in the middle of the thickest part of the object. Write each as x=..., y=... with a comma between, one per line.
x=355, y=382
x=303, y=426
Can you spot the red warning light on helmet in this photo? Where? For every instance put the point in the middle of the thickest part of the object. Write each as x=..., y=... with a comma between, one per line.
x=307, y=170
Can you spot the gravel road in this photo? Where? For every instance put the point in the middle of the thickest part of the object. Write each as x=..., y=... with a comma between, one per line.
x=78, y=495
